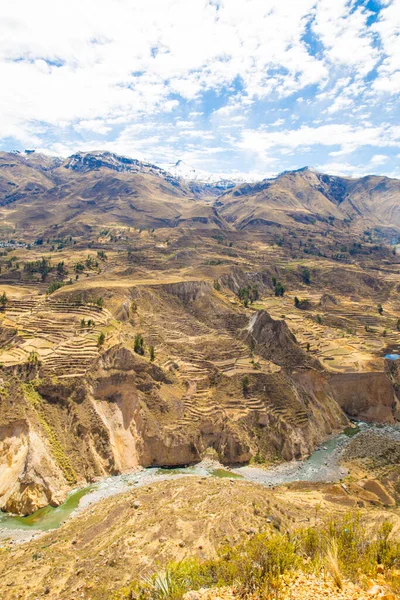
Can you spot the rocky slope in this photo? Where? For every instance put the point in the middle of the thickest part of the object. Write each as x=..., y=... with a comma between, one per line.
x=308, y=197
x=227, y=378
x=102, y=188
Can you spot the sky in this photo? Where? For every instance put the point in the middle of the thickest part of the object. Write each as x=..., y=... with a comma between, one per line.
x=250, y=87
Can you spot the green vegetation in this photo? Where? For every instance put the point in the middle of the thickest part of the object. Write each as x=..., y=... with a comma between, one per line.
x=152, y=353
x=3, y=299
x=54, y=286
x=36, y=402
x=380, y=309
x=139, y=344
x=33, y=358
x=245, y=384
x=41, y=266
x=217, y=285
x=248, y=294
x=303, y=304
x=101, y=339
x=279, y=290
x=305, y=275
x=259, y=566
x=100, y=302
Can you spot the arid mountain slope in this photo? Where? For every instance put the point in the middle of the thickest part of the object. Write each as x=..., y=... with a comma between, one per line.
x=305, y=196
x=92, y=189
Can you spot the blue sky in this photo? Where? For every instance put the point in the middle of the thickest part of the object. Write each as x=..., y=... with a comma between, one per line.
x=228, y=86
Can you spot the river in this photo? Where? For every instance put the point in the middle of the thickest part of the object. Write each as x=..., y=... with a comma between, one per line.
x=322, y=466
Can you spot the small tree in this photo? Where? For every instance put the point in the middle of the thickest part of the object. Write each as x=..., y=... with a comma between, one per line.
x=101, y=339
x=217, y=285
x=279, y=289
x=83, y=323
x=152, y=353
x=139, y=344
x=308, y=346
x=33, y=358
x=380, y=309
x=100, y=302
x=245, y=384
x=3, y=299
x=306, y=276
x=296, y=302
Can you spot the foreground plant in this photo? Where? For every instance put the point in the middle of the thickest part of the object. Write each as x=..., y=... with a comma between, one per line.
x=259, y=567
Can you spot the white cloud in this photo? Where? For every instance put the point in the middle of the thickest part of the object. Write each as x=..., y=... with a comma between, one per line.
x=153, y=77
x=379, y=159
x=347, y=137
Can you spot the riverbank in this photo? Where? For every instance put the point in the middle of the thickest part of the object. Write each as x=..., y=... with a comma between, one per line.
x=323, y=466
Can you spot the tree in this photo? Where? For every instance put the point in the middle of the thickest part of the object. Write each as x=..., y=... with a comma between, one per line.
x=139, y=344
x=101, y=339
x=245, y=384
x=83, y=323
x=217, y=285
x=296, y=302
x=306, y=276
x=100, y=302
x=308, y=346
x=279, y=289
x=398, y=325
x=380, y=309
x=3, y=299
x=152, y=353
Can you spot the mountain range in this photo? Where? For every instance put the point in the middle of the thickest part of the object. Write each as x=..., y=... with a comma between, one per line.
x=90, y=189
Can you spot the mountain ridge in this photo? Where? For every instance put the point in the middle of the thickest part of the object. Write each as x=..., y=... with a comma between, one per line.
x=103, y=186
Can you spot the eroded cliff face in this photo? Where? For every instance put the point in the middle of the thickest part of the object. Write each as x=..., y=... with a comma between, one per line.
x=58, y=433
x=366, y=396
x=29, y=475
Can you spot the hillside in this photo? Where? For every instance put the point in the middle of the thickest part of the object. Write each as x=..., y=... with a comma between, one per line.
x=93, y=190
x=88, y=190
x=308, y=197
x=202, y=349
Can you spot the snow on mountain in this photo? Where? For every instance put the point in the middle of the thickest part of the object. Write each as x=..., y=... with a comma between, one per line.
x=184, y=171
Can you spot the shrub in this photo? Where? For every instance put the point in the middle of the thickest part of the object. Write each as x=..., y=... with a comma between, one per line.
x=245, y=384
x=152, y=353
x=54, y=286
x=279, y=289
x=306, y=276
x=101, y=339
x=33, y=358
x=139, y=344
x=3, y=299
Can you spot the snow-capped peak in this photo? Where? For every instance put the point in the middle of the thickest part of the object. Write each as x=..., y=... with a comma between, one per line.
x=182, y=170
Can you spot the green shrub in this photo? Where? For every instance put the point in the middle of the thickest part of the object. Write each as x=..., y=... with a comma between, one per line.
x=139, y=344
x=54, y=286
